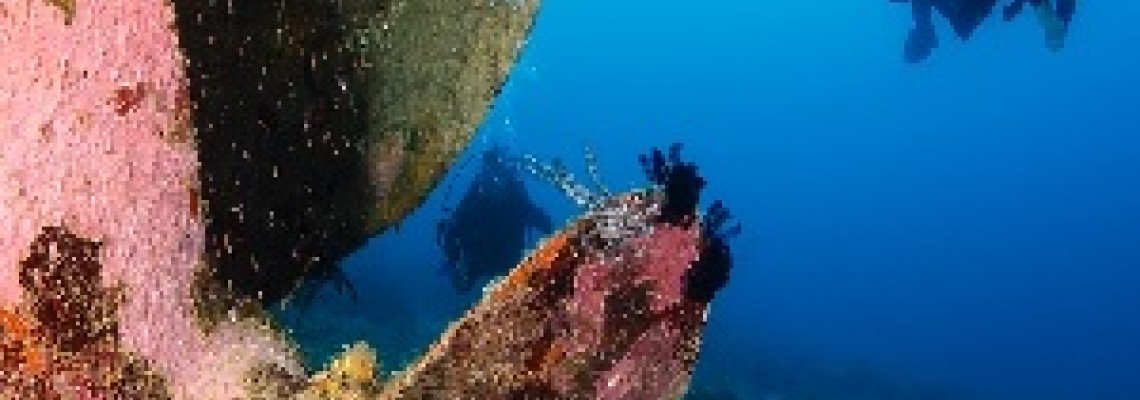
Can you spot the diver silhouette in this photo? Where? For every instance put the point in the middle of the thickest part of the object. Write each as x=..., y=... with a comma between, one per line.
x=964, y=16
x=484, y=235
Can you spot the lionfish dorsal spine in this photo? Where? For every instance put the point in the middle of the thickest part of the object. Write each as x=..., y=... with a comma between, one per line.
x=595, y=174
x=557, y=173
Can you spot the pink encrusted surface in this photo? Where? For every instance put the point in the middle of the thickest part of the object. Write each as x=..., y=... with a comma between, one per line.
x=69, y=158
x=91, y=138
x=660, y=259
x=665, y=255
x=669, y=252
x=652, y=369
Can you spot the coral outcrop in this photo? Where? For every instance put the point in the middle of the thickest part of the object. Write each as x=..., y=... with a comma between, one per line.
x=604, y=309
x=65, y=342
x=352, y=375
x=101, y=229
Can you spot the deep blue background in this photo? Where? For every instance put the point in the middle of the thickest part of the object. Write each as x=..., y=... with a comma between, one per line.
x=972, y=222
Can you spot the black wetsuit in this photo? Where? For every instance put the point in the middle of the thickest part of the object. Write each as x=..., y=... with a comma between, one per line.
x=963, y=15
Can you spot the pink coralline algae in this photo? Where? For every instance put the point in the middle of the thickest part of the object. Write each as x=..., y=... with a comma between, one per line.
x=94, y=125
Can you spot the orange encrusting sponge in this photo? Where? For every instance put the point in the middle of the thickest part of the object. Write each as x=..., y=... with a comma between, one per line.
x=18, y=346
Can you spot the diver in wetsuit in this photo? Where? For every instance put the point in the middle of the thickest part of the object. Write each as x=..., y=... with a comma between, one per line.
x=1054, y=18
x=964, y=16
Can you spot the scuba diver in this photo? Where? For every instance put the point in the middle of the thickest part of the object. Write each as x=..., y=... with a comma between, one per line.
x=963, y=15
x=486, y=232
x=1054, y=18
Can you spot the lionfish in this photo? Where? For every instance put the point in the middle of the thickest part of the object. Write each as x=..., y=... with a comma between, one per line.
x=611, y=307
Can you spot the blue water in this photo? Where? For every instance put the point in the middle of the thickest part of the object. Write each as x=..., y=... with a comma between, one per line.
x=968, y=226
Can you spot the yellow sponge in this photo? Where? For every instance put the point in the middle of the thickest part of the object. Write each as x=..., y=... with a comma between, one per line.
x=352, y=375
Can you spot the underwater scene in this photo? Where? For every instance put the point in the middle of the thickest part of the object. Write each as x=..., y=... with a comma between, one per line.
x=554, y=199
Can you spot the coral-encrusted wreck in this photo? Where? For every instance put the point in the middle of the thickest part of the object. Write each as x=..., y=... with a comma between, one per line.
x=611, y=307
x=141, y=221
